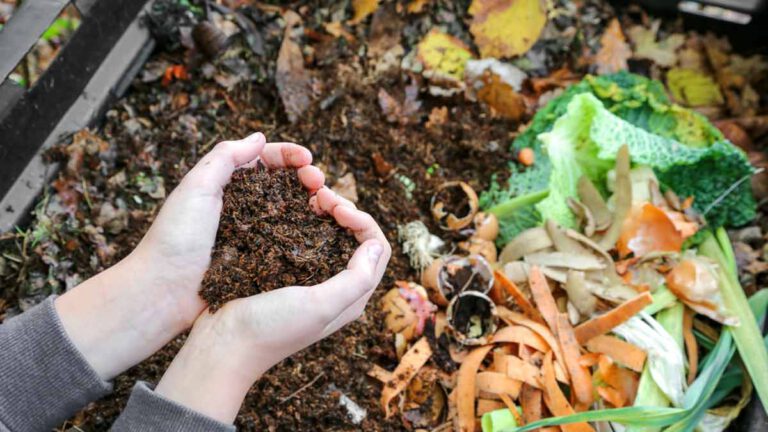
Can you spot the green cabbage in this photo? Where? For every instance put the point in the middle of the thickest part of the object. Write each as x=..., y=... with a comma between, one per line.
x=580, y=132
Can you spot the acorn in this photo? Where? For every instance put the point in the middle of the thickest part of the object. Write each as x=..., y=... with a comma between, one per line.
x=209, y=39
x=454, y=205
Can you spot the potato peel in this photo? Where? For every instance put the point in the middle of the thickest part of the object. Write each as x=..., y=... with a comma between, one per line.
x=413, y=360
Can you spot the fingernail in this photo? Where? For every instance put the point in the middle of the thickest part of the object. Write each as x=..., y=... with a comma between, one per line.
x=374, y=253
x=258, y=136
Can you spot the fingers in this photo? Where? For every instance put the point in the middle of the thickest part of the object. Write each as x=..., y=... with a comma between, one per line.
x=285, y=155
x=359, y=279
x=215, y=169
x=311, y=177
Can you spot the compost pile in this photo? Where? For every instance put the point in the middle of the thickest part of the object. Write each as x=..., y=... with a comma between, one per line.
x=269, y=238
x=439, y=119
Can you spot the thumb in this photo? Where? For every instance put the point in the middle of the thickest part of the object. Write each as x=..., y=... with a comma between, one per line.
x=214, y=170
x=360, y=277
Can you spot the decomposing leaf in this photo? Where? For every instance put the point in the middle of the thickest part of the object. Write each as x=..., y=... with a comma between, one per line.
x=694, y=281
x=663, y=52
x=614, y=50
x=437, y=117
x=362, y=9
x=291, y=78
x=693, y=88
x=346, y=186
x=444, y=57
x=506, y=28
x=402, y=113
x=503, y=100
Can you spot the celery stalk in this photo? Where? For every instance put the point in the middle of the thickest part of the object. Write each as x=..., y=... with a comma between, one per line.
x=747, y=335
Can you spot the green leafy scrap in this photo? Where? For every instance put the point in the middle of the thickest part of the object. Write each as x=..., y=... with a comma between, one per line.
x=679, y=144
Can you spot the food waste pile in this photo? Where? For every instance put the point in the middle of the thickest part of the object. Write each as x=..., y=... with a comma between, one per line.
x=573, y=194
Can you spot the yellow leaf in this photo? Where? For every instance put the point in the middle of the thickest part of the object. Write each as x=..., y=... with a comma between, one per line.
x=693, y=88
x=416, y=6
x=362, y=9
x=614, y=50
x=443, y=56
x=506, y=28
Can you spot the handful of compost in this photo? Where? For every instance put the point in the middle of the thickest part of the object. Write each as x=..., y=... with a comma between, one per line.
x=269, y=238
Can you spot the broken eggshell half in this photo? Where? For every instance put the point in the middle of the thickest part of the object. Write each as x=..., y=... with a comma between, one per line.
x=454, y=274
x=454, y=205
x=472, y=318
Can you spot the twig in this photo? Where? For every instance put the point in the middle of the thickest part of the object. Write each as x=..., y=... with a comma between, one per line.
x=304, y=387
x=730, y=189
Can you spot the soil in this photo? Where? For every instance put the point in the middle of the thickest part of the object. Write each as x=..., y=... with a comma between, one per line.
x=269, y=238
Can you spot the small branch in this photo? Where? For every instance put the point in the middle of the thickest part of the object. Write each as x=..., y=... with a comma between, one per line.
x=304, y=387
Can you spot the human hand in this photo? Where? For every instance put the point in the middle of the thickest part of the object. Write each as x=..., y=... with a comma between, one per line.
x=227, y=351
x=126, y=313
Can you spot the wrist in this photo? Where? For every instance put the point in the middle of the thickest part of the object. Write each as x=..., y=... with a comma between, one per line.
x=115, y=320
x=210, y=374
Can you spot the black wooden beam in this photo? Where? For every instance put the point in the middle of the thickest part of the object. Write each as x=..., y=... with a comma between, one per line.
x=30, y=121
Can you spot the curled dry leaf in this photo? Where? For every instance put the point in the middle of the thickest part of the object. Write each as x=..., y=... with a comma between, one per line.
x=472, y=318
x=648, y=229
x=566, y=260
x=506, y=29
x=454, y=205
x=614, y=50
x=291, y=78
x=623, y=198
x=695, y=282
x=402, y=113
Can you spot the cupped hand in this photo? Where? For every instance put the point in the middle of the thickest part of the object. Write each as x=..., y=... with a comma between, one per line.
x=247, y=336
x=176, y=251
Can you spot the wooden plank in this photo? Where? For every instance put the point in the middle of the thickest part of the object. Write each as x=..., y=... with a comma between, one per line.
x=33, y=118
x=23, y=30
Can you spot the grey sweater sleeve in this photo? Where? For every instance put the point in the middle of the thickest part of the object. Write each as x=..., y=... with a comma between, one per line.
x=147, y=411
x=43, y=377
x=44, y=380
